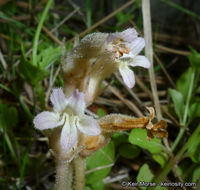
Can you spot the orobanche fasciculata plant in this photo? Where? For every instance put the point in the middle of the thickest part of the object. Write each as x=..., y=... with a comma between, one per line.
x=73, y=135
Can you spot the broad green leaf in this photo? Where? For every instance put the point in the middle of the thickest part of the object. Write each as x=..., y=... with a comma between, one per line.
x=194, y=111
x=128, y=150
x=119, y=138
x=194, y=145
x=98, y=185
x=144, y=175
x=183, y=83
x=196, y=174
x=99, y=164
x=178, y=101
x=160, y=158
x=48, y=56
x=139, y=138
x=194, y=59
x=33, y=74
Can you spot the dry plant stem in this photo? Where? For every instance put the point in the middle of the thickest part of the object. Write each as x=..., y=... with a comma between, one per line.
x=165, y=71
x=130, y=104
x=171, y=50
x=79, y=166
x=149, y=53
x=63, y=175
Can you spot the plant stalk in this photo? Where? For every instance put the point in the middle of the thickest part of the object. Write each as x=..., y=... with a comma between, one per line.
x=79, y=163
x=184, y=121
x=63, y=175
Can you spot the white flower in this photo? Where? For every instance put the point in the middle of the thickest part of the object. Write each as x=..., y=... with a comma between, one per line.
x=125, y=47
x=68, y=113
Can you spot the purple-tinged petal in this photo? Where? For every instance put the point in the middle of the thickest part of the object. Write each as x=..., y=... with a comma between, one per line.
x=58, y=100
x=68, y=136
x=89, y=126
x=127, y=75
x=128, y=35
x=141, y=61
x=137, y=45
x=111, y=37
x=77, y=102
x=47, y=120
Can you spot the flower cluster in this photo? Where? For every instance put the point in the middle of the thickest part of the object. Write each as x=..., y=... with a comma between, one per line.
x=96, y=57
x=68, y=114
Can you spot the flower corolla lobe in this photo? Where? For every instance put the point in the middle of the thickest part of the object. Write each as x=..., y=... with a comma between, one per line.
x=68, y=113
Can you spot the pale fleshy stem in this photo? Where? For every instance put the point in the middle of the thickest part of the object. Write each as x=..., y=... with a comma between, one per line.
x=149, y=54
x=63, y=175
x=79, y=167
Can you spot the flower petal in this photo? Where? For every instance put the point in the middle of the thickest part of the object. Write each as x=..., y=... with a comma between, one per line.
x=47, y=120
x=58, y=100
x=77, y=102
x=128, y=35
x=127, y=75
x=68, y=136
x=137, y=45
x=141, y=61
x=89, y=126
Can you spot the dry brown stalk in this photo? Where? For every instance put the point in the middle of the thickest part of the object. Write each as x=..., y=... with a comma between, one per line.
x=165, y=71
x=130, y=104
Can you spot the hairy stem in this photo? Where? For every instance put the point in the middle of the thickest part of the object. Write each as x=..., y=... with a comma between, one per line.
x=63, y=175
x=79, y=163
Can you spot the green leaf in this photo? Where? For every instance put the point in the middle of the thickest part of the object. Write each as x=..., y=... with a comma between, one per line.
x=194, y=111
x=160, y=158
x=100, y=164
x=194, y=146
x=194, y=59
x=100, y=112
x=119, y=138
x=128, y=150
x=123, y=18
x=196, y=174
x=48, y=56
x=183, y=83
x=139, y=138
x=144, y=175
x=33, y=74
x=178, y=101
x=98, y=185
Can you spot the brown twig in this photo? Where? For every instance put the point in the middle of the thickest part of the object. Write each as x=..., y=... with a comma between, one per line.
x=171, y=50
x=149, y=53
x=129, y=104
x=165, y=71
